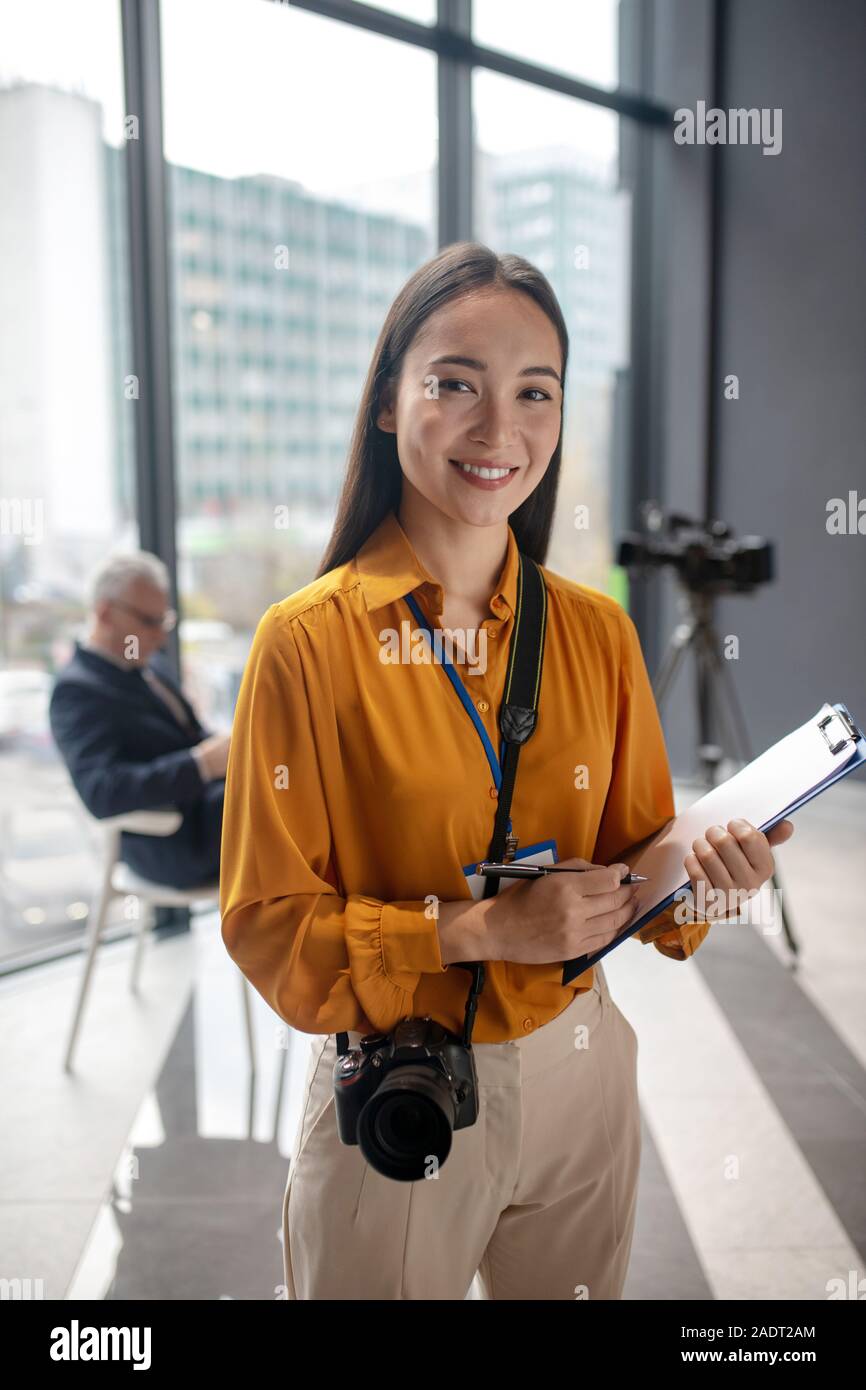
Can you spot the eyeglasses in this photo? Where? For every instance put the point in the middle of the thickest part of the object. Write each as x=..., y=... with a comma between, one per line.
x=166, y=622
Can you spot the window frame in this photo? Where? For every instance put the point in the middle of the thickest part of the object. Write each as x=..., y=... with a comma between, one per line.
x=457, y=56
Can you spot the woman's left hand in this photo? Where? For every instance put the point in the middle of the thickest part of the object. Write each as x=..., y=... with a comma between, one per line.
x=736, y=858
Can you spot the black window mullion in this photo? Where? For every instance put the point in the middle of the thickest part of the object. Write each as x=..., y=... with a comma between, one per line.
x=456, y=153
x=150, y=294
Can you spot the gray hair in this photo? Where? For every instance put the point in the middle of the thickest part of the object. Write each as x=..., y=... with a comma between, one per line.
x=114, y=575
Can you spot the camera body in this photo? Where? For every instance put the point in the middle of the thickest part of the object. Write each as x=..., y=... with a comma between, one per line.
x=709, y=559
x=401, y=1095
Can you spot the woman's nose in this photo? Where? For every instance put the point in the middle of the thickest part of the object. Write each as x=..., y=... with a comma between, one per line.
x=496, y=428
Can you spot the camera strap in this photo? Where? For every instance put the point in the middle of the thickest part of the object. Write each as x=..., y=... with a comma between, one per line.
x=518, y=717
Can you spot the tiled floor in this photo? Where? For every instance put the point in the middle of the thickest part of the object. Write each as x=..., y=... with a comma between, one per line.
x=157, y=1169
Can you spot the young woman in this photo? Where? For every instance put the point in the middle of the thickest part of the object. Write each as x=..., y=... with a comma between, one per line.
x=359, y=796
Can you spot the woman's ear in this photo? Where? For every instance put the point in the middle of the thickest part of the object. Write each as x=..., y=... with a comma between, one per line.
x=385, y=414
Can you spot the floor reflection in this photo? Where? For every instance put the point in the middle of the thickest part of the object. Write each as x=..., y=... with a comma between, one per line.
x=193, y=1213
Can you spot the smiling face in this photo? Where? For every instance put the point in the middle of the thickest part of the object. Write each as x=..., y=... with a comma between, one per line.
x=499, y=408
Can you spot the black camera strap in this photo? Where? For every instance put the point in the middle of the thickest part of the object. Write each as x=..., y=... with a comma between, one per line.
x=518, y=715
x=518, y=718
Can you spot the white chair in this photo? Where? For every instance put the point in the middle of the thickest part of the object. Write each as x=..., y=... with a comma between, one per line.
x=119, y=880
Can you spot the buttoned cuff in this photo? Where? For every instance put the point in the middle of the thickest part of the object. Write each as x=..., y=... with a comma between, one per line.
x=390, y=945
x=409, y=942
x=676, y=940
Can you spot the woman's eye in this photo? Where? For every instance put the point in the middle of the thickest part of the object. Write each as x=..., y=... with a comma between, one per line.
x=535, y=390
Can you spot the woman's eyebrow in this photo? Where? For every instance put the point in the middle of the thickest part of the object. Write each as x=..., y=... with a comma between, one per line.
x=457, y=361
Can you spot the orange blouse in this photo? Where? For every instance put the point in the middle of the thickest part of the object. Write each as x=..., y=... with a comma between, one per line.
x=357, y=788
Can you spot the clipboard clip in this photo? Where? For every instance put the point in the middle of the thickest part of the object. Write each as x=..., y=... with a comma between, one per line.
x=845, y=722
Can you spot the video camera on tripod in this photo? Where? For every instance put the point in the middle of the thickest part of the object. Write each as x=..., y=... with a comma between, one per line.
x=707, y=559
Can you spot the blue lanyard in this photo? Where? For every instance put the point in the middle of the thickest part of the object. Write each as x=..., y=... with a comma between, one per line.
x=465, y=699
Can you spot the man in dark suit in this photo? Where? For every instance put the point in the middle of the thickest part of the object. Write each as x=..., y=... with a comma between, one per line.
x=129, y=737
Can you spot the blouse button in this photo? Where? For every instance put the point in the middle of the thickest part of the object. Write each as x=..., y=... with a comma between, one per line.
x=493, y=794
x=528, y=1025
x=482, y=705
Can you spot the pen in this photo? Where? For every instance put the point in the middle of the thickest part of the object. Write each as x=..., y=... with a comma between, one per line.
x=491, y=870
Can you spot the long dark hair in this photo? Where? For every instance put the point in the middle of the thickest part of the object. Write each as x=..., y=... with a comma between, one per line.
x=373, y=481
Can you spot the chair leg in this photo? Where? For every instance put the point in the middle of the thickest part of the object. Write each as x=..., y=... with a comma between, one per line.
x=142, y=929
x=246, y=990
x=106, y=893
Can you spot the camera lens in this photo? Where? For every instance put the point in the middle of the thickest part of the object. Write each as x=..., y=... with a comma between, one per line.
x=408, y=1120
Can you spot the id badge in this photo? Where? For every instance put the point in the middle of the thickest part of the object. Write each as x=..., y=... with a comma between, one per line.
x=542, y=853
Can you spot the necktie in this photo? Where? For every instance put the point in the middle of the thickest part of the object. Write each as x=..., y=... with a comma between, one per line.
x=168, y=697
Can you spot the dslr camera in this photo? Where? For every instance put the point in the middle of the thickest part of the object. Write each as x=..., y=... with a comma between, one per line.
x=401, y=1095
x=707, y=558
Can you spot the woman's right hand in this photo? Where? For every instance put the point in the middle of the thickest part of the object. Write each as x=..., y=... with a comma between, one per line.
x=558, y=916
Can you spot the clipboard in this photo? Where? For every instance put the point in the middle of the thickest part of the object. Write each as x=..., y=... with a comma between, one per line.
x=799, y=767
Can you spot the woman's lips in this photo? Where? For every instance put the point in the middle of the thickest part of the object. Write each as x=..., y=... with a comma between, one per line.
x=487, y=484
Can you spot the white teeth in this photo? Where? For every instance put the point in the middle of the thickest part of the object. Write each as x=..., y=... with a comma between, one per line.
x=483, y=472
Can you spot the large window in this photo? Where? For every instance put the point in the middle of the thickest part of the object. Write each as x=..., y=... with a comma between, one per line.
x=302, y=195
x=66, y=466
x=311, y=165
x=578, y=37
x=547, y=180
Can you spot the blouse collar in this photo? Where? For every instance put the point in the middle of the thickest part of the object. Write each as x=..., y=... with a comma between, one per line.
x=390, y=568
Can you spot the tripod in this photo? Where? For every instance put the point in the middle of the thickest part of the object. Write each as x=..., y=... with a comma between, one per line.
x=716, y=697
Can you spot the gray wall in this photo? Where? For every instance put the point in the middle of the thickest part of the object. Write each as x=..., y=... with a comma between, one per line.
x=791, y=324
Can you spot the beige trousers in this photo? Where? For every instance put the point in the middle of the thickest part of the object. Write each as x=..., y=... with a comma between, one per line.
x=538, y=1196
